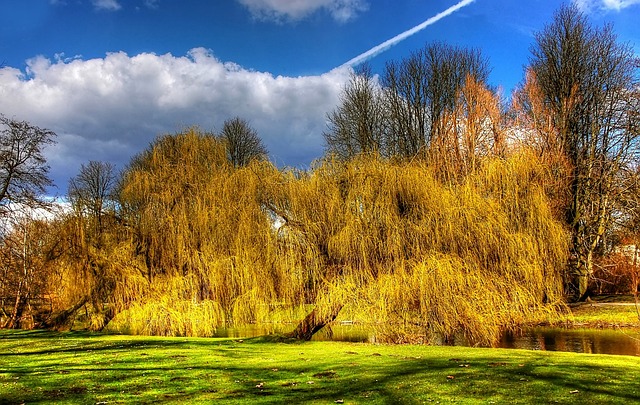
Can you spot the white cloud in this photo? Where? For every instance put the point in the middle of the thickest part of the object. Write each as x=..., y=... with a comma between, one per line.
x=341, y=10
x=111, y=108
x=109, y=5
x=604, y=5
x=151, y=3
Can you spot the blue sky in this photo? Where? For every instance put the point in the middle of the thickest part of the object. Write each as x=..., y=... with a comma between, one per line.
x=108, y=76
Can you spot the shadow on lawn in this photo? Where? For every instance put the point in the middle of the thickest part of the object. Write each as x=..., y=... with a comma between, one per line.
x=66, y=344
x=150, y=370
x=482, y=379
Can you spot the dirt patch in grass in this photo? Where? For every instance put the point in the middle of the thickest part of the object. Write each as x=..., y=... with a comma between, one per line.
x=326, y=374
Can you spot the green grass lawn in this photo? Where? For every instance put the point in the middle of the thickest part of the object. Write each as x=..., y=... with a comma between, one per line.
x=45, y=367
x=605, y=314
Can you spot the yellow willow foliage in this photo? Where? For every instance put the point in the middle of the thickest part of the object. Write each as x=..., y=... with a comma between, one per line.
x=534, y=125
x=168, y=309
x=105, y=277
x=169, y=318
x=401, y=248
x=204, y=235
x=388, y=243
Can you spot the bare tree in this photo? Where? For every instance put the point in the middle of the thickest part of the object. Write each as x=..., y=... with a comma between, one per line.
x=91, y=191
x=589, y=81
x=358, y=124
x=424, y=87
x=469, y=133
x=23, y=181
x=242, y=142
x=25, y=271
x=24, y=174
x=89, y=237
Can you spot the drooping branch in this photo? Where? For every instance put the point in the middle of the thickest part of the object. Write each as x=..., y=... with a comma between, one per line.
x=314, y=322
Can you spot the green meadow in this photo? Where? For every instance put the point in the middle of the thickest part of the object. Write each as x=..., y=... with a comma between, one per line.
x=83, y=368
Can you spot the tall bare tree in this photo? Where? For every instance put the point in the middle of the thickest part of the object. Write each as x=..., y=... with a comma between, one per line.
x=242, y=142
x=468, y=134
x=424, y=87
x=24, y=174
x=589, y=82
x=358, y=124
x=91, y=191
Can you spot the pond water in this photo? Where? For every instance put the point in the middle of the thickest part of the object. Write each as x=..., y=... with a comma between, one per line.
x=597, y=341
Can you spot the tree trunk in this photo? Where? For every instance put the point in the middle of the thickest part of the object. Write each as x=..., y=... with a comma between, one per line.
x=581, y=270
x=59, y=320
x=313, y=322
x=18, y=309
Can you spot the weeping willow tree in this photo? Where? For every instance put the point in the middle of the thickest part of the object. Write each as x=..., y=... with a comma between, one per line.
x=209, y=244
x=210, y=251
x=391, y=245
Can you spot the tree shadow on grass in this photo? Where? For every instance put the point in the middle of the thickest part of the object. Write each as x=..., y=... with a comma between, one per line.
x=97, y=368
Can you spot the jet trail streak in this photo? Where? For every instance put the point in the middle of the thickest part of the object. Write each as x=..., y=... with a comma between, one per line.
x=400, y=37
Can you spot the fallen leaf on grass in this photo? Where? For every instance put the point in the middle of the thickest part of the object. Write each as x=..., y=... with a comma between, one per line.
x=450, y=377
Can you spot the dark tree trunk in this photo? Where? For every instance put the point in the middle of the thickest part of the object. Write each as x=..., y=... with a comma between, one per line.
x=18, y=309
x=107, y=317
x=61, y=319
x=313, y=322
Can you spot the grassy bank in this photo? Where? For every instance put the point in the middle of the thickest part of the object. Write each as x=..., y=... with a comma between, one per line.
x=84, y=368
x=605, y=312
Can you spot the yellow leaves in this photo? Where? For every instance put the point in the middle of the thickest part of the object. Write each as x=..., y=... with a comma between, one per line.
x=389, y=243
x=168, y=317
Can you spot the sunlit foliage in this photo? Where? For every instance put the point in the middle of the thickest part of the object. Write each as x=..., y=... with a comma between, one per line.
x=388, y=243
x=404, y=251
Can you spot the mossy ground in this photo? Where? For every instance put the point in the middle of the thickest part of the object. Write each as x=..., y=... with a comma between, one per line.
x=45, y=367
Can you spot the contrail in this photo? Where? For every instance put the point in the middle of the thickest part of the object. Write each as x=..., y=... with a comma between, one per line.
x=400, y=37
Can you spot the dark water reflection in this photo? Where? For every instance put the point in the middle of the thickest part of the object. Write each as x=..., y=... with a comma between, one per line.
x=597, y=341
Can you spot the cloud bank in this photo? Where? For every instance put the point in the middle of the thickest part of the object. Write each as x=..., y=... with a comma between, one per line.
x=340, y=10
x=604, y=5
x=111, y=108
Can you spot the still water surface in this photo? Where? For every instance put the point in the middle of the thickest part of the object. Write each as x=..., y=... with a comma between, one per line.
x=597, y=341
